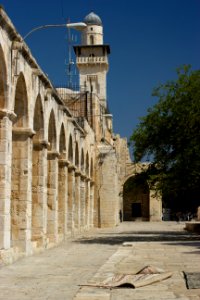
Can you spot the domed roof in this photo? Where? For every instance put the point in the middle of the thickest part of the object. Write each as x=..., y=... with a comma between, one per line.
x=93, y=19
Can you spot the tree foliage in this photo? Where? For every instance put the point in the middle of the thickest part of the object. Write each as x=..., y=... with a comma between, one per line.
x=169, y=135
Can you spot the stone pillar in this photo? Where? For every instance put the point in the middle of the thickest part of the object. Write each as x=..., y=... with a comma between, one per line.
x=39, y=193
x=77, y=199
x=71, y=196
x=52, y=197
x=83, y=201
x=87, y=203
x=91, y=207
x=5, y=176
x=62, y=197
x=108, y=188
x=21, y=204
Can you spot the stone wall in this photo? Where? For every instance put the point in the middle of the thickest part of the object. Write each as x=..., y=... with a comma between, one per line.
x=60, y=172
x=46, y=158
x=53, y=183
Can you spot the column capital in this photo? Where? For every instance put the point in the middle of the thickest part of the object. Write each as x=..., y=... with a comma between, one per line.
x=77, y=172
x=87, y=178
x=40, y=144
x=52, y=154
x=91, y=181
x=26, y=132
x=83, y=176
x=63, y=162
x=7, y=113
x=71, y=167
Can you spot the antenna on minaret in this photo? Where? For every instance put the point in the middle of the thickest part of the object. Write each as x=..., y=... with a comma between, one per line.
x=71, y=66
x=70, y=61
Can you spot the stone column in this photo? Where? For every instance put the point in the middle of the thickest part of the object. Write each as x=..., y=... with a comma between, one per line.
x=77, y=199
x=71, y=197
x=87, y=200
x=6, y=118
x=21, y=204
x=52, y=197
x=83, y=199
x=39, y=193
x=91, y=216
x=62, y=197
x=108, y=191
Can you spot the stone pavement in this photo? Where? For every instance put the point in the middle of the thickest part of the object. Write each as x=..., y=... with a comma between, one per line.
x=59, y=273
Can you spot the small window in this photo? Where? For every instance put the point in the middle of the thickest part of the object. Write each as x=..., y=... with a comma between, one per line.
x=92, y=55
x=91, y=29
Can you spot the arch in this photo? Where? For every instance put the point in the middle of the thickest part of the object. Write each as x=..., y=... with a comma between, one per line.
x=82, y=161
x=70, y=149
x=91, y=168
x=136, y=197
x=87, y=164
x=38, y=120
x=77, y=155
x=20, y=171
x=70, y=185
x=62, y=142
x=3, y=79
x=21, y=103
x=77, y=200
x=52, y=179
x=38, y=177
x=62, y=184
x=52, y=132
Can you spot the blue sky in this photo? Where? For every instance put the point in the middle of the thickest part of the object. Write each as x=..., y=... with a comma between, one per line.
x=149, y=39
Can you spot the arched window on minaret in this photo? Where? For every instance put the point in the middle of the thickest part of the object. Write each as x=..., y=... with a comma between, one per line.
x=91, y=40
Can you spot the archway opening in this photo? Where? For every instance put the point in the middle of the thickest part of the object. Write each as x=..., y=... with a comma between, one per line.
x=20, y=179
x=38, y=177
x=62, y=185
x=136, y=199
x=52, y=180
x=77, y=211
x=71, y=179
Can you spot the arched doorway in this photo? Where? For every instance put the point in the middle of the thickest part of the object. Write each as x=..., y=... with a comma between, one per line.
x=136, y=197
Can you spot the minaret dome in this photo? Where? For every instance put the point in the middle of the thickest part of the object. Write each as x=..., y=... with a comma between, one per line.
x=93, y=33
x=92, y=19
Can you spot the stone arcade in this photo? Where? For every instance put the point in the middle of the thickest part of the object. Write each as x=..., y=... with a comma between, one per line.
x=62, y=169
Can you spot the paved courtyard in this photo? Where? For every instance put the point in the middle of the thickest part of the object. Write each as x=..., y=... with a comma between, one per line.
x=62, y=272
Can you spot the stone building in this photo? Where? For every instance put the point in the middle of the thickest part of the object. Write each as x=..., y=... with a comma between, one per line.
x=62, y=169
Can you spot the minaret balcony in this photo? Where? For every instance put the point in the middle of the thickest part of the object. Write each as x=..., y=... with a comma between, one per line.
x=92, y=60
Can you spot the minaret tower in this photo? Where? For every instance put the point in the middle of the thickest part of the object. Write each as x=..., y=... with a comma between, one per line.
x=92, y=58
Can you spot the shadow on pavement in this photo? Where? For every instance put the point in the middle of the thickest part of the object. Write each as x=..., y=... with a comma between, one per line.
x=142, y=236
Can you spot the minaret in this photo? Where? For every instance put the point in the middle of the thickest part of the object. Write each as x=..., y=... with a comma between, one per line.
x=92, y=58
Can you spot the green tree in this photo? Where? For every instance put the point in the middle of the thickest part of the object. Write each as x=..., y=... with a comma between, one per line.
x=169, y=136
